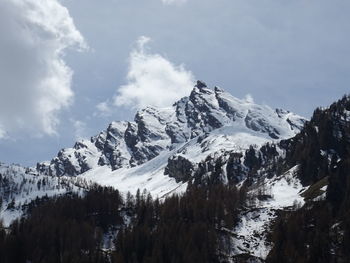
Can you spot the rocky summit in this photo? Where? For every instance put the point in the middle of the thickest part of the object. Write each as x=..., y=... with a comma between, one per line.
x=176, y=139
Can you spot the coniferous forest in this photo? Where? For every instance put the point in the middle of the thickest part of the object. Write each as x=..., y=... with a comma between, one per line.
x=72, y=228
x=319, y=231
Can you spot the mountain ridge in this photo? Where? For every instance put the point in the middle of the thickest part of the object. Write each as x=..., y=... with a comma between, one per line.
x=194, y=127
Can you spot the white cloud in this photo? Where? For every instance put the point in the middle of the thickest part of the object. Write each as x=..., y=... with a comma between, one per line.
x=104, y=109
x=80, y=129
x=249, y=98
x=35, y=82
x=3, y=134
x=170, y=2
x=152, y=80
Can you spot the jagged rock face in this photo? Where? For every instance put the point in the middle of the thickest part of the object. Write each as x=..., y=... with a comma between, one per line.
x=114, y=146
x=319, y=148
x=107, y=148
x=258, y=123
x=179, y=168
x=226, y=167
x=147, y=137
x=212, y=170
x=231, y=167
x=207, y=121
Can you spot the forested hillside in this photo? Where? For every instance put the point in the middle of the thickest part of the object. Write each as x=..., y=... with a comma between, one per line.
x=320, y=231
x=74, y=229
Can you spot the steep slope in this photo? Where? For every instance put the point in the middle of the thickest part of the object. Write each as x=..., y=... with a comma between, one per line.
x=20, y=186
x=312, y=168
x=320, y=231
x=267, y=198
x=162, y=147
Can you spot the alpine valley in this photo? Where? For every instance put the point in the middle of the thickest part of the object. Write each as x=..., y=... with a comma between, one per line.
x=212, y=178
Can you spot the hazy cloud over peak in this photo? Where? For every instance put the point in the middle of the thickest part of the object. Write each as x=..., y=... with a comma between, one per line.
x=35, y=82
x=152, y=79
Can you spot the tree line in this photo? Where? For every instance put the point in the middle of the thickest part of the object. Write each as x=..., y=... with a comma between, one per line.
x=72, y=228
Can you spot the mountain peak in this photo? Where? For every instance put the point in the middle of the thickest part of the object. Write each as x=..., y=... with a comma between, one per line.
x=205, y=122
x=200, y=84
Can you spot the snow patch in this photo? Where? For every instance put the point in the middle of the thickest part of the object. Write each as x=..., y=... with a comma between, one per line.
x=250, y=234
x=19, y=186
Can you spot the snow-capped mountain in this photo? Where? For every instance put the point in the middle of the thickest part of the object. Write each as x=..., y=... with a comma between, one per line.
x=162, y=147
x=161, y=150
x=283, y=164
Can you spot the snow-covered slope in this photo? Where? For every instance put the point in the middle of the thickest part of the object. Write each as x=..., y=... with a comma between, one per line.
x=19, y=186
x=147, y=152
x=269, y=196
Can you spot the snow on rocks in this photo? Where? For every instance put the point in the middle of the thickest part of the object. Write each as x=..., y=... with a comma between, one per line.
x=207, y=121
x=278, y=193
x=149, y=176
x=19, y=186
x=131, y=155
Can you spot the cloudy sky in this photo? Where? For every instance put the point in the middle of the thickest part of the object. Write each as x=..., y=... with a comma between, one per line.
x=69, y=67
